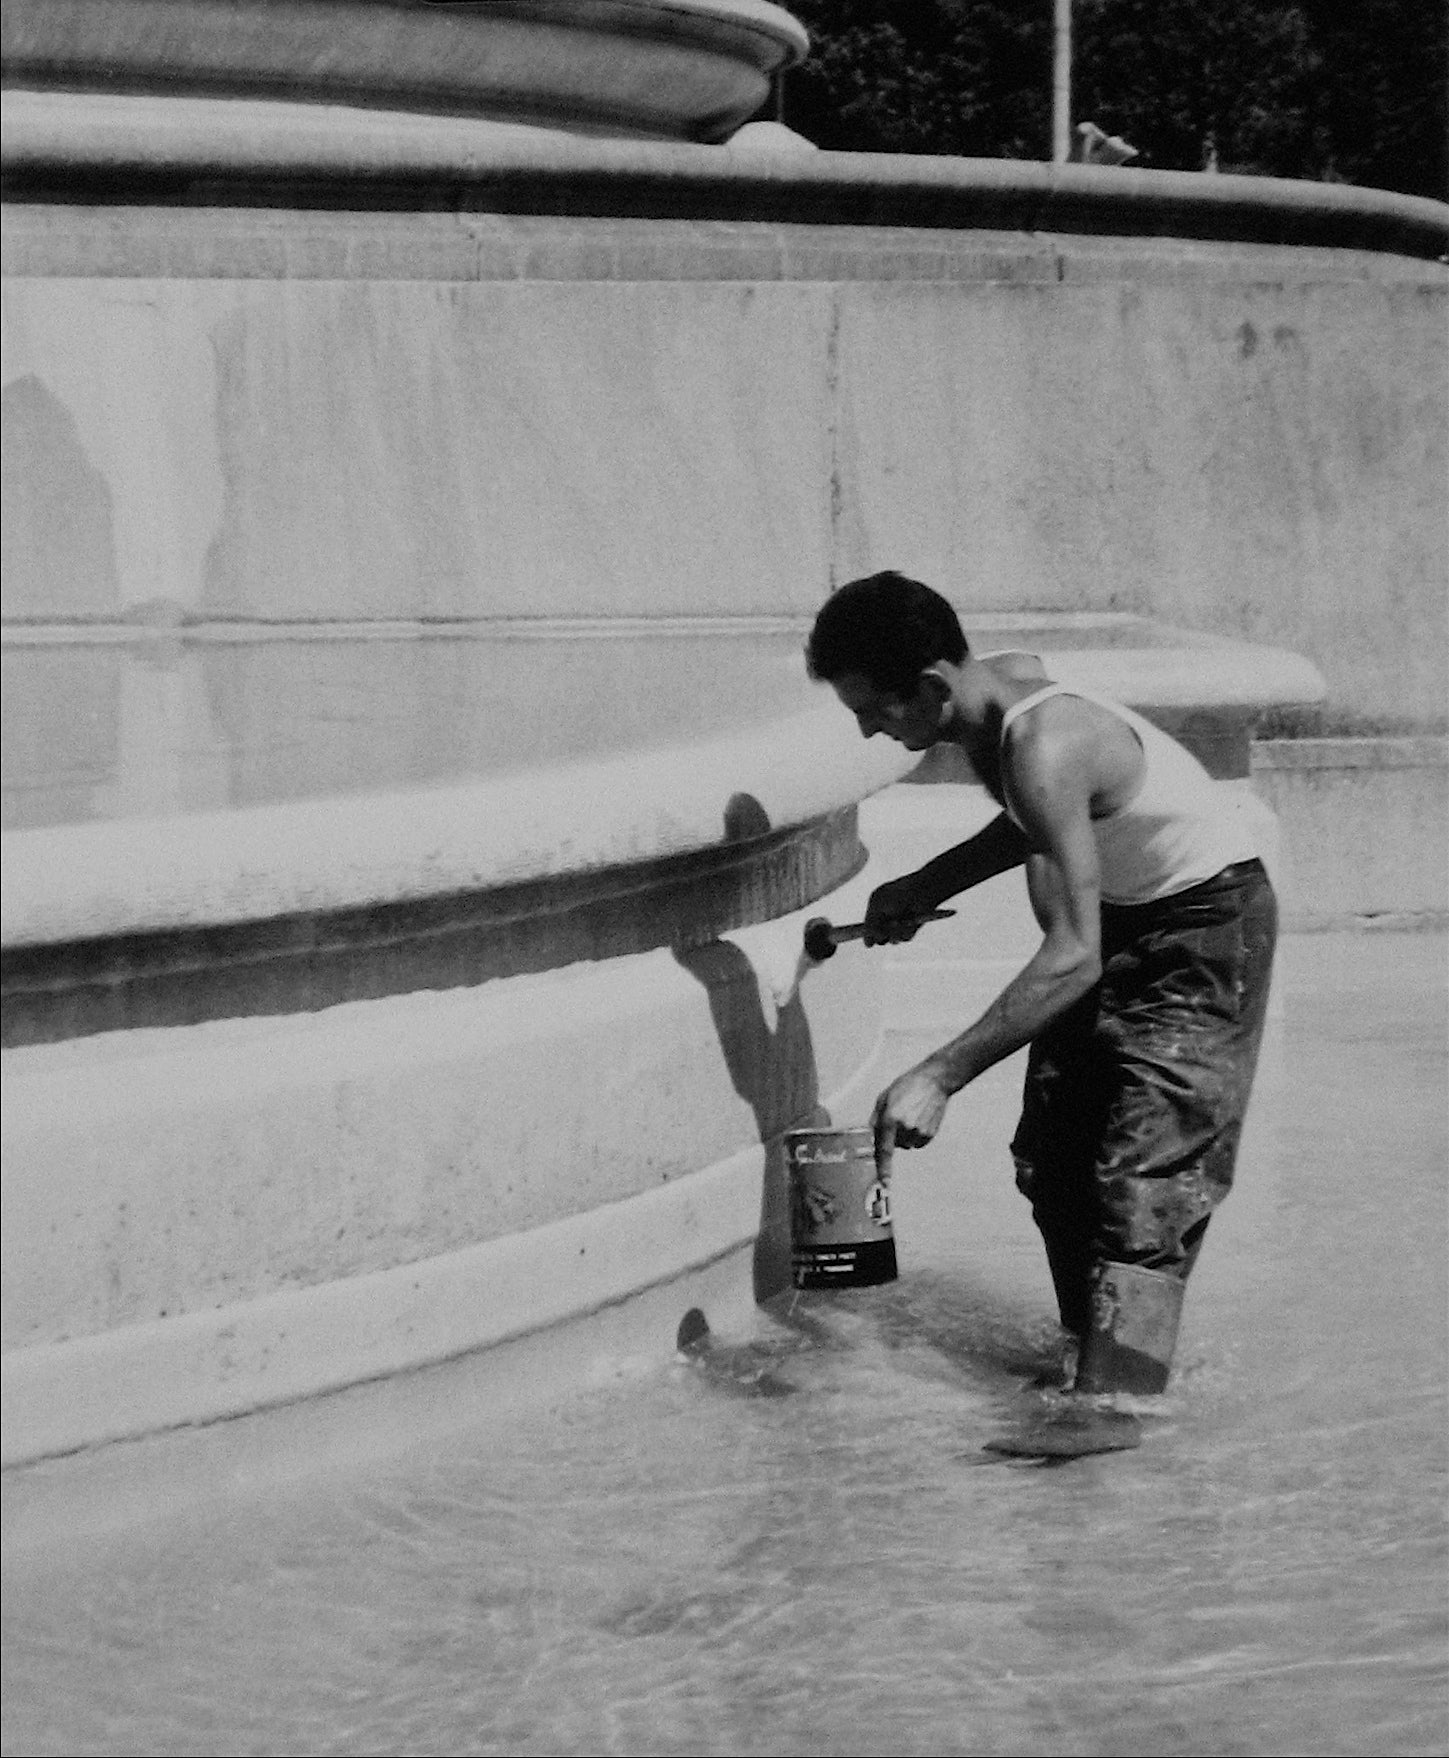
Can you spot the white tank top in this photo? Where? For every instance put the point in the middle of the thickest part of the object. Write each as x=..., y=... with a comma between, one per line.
x=1179, y=828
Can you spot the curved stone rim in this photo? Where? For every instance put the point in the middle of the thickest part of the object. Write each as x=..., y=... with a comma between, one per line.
x=674, y=69
x=313, y=960
x=206, y=872
x=66, y=146
x=307, y=857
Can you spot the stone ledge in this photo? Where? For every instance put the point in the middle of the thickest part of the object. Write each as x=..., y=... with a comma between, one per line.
x=222, y=153
x=305, y=962
x=1391, y=751
x=77, y=241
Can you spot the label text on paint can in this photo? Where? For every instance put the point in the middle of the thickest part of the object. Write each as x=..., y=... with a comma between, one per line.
x=840, y=1218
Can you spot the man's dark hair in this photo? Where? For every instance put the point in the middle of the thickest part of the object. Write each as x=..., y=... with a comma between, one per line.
x=885, y=628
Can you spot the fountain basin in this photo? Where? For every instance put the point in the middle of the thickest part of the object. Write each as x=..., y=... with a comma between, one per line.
x=316, y=373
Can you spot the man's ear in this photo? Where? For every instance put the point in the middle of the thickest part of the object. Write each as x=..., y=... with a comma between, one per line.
x=935, y=685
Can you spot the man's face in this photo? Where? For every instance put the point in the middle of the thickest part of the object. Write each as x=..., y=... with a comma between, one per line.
x=913, y=721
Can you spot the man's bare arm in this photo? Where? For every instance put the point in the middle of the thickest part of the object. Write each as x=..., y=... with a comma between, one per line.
x=1051, y=793
x=1059, y=973
x=996, y=849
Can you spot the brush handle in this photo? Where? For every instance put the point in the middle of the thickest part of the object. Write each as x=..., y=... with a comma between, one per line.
x=822, y=937
x=856, y=930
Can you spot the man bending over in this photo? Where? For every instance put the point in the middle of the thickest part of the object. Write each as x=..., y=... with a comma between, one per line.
x=1144, y=1003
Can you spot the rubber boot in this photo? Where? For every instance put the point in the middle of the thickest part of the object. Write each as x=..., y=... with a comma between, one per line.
x=1135, y=1315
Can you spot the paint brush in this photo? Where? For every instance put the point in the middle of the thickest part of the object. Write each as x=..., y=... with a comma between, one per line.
x=822, y=937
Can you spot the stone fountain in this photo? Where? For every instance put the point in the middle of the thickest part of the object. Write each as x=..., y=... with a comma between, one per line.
x=429, y=428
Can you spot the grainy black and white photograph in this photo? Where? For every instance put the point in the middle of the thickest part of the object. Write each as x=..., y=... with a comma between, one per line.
x=725, y=878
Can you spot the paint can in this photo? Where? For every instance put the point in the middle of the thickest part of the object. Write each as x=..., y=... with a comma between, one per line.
x=840, y=1215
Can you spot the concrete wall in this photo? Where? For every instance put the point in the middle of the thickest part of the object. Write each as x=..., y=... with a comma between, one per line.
x=342, y=417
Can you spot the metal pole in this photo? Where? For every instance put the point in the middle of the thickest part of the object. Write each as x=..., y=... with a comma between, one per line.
x=1062, y=84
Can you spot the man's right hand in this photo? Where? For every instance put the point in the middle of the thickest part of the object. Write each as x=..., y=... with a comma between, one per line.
x=896, y=911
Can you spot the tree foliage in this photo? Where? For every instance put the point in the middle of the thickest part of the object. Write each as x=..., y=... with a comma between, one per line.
x=1312, y=89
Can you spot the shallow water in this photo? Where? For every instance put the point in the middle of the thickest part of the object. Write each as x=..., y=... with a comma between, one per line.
x=679, y=1562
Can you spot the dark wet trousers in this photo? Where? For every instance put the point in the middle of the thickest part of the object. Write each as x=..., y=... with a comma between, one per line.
x=1134, y=1098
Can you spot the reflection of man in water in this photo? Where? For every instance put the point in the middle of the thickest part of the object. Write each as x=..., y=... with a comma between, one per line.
x=1144, y=1003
